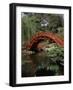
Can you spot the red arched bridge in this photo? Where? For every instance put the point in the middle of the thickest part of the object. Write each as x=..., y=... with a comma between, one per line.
x=40, y=36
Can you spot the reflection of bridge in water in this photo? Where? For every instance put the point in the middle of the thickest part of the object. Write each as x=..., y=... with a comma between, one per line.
x=40, y=65
x=40, y=36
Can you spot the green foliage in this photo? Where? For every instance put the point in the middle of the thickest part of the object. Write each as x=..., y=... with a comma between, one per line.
x=56, y=53
x=54, y=23
x=28, y=27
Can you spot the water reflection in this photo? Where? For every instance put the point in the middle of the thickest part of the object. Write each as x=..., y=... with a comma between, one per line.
x=39, y=64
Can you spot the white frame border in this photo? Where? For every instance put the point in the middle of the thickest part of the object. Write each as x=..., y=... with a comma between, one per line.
x=19, y=79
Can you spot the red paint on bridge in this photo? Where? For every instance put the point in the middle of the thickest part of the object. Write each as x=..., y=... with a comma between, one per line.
x=40, y=36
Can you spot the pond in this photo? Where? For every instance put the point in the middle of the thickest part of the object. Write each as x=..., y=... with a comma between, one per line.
x=39, y=64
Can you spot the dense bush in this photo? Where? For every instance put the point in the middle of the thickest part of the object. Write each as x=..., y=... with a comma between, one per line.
x=56, y=53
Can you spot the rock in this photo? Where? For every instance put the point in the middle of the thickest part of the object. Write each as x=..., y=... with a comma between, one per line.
x=28, y=52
